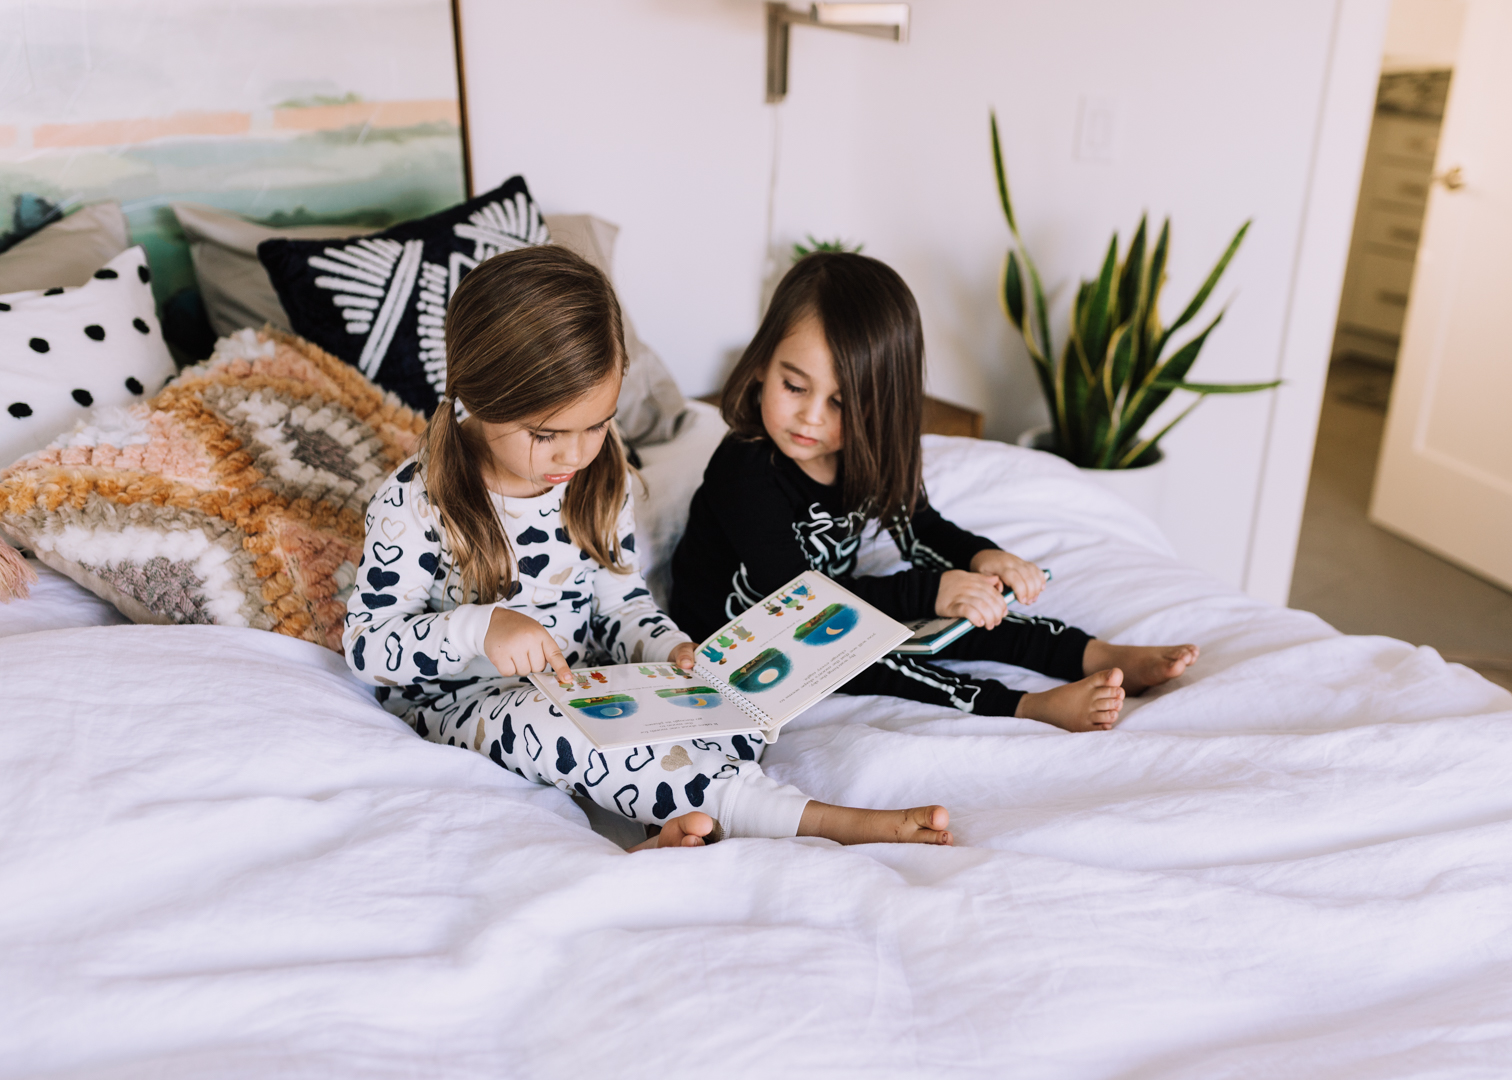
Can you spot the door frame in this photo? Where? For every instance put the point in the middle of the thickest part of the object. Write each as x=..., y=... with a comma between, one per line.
x=1340, y=136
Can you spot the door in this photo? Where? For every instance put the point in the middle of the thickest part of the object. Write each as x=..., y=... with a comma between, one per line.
x=1445, y=474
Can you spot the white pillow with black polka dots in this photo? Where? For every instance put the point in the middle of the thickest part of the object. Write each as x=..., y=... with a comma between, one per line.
x=64, y=351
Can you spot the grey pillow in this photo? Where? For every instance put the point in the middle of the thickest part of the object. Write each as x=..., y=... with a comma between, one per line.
x=66, y=253
x=650, y=404
x=232, y=282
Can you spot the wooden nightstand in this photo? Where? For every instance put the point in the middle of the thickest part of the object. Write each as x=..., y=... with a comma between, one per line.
x=940, y=417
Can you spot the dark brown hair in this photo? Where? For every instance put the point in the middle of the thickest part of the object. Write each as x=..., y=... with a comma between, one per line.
x=871, y=324
x=527, y=333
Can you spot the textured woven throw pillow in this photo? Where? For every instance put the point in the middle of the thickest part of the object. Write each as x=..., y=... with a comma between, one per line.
x=234, y=497
x=379, y=301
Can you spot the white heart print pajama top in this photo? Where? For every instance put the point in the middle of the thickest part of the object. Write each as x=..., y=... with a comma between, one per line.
x=412, y=632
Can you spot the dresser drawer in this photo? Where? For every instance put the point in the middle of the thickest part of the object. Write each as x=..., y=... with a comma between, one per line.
x=1402, y=187
x=1375, y=294
x=1398, y=231
x=1405, y=137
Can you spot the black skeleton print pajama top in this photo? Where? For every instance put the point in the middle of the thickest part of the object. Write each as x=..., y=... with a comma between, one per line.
x=759, y=520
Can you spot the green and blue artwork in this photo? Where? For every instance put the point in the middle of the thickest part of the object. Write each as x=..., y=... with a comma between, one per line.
x=692, y=697
x=606, y=706
x=769, y=668
x=831, y=624
x=341, y=112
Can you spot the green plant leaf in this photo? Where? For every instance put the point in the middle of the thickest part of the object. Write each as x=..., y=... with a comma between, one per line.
x=1116, y=388
x=1041, y=317
x=1131, y=276
x=1013, y=290
x=1148, y=397
x=1151, y=337
x=1141, y=449
x=1002, y=174
x=1207, y=287
x=1216, y=388
x=1097, y=320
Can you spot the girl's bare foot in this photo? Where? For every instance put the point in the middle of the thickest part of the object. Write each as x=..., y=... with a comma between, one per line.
x=849, y=825
x=1092, y=704
x=688, y=830
x=1143, y=666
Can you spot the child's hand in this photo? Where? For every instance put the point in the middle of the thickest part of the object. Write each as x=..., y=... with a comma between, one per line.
x=517, y=645
x=684, y=655
x=1025, y=579
x=976, y=597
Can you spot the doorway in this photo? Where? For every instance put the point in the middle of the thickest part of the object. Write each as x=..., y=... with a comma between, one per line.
x=1357, y=576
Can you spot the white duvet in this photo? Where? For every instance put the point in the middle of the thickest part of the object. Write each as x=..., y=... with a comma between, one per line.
x=219, y=858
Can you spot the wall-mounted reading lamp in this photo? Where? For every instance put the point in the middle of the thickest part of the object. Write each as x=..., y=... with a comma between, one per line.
x=889, y=21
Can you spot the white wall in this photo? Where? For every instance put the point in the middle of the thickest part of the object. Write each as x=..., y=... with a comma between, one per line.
x=650, y=113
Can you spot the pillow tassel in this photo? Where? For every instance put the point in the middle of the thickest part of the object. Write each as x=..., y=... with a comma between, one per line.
x=15, y=576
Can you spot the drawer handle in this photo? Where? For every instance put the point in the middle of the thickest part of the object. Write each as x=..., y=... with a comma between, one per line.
x=1452, y=179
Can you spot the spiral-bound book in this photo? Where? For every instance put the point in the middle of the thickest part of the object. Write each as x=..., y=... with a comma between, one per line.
x=755, y=673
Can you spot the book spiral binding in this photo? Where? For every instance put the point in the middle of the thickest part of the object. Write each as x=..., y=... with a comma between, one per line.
x=734, y=697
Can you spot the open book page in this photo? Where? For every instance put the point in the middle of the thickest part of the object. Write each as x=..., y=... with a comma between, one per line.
x=797, y=645
x=642, y=704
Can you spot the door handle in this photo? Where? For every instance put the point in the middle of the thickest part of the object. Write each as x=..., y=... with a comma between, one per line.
x=1452, y=179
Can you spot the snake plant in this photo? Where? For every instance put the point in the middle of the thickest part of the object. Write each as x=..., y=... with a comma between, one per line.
x=1114, y=373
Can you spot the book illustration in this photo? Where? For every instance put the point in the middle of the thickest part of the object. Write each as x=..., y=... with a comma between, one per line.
x=584, y=683
x=606, y=706
x=711, y=653
x=768, y=669
x=831, y=624
x=693, y=697
x=787, y=599
x=598, y=676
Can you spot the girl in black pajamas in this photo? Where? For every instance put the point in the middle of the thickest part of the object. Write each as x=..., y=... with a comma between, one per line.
x=824, y=410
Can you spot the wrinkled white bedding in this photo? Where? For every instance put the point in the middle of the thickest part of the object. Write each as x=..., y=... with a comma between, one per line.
x=220, y=859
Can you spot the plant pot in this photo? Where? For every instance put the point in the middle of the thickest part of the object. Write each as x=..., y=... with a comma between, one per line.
x=1143, y=487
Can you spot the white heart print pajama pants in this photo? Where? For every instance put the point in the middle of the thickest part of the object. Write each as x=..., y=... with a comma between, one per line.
x=519, y=728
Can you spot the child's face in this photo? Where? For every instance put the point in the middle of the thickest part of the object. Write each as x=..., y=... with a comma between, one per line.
x=800, y=401
x=547, y=450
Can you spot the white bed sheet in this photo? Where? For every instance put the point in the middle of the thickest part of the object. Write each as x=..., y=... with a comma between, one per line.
x=220, y=858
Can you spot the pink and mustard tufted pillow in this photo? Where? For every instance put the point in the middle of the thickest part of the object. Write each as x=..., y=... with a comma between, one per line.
x=234, y=497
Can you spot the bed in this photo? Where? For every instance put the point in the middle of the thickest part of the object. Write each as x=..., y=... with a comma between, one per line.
x=220, y=858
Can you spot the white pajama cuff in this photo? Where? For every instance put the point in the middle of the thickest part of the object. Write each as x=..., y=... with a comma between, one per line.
x=467, y=627
x=755, y=805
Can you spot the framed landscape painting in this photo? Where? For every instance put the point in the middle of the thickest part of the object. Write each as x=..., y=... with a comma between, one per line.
x=287, y=112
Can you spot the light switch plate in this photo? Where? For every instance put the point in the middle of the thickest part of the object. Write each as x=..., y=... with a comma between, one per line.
x=1096, y=129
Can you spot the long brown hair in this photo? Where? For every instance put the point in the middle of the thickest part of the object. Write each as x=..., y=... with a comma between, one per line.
x=527, y=333
x=876, y=340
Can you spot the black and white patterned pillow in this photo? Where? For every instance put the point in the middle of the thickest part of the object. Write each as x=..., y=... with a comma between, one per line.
x=379, y=301
x=64, y=351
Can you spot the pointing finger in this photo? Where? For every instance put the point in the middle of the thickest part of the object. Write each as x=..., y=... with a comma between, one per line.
x=555, y=658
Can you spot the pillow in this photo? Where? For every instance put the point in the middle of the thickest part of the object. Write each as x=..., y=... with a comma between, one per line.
x=650, y=405
x=378, y=302
x=66, y=252
x=234, y=497
x=63, y=351
x=232, y=282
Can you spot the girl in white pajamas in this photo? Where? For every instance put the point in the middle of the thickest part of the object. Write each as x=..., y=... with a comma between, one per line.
x=507, y=546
